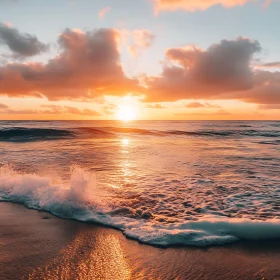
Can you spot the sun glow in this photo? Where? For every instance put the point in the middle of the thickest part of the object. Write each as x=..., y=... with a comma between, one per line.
x=126, y=113
x=125, y=142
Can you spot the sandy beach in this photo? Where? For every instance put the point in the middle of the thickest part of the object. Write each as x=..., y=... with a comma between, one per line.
x=37, y=245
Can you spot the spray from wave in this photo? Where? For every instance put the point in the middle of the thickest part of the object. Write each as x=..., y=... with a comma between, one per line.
x=81, y=199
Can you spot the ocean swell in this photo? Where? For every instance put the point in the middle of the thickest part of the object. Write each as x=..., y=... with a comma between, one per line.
x=25, y=134
x=81, y=199
x=21, y=134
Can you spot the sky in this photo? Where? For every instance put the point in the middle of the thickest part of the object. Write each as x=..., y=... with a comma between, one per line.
x=139, y=59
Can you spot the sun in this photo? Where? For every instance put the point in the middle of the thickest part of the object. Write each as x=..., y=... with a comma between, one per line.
x=126, y=113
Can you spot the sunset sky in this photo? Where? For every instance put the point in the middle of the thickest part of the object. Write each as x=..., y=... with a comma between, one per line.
x=144, y=59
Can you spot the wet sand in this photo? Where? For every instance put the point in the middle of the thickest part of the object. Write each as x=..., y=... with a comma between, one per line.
x=37, y=245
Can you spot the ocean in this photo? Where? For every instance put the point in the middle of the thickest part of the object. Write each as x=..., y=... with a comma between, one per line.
x=163, y=183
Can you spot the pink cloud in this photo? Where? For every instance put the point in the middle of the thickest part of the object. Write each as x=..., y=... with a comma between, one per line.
x=194, y=5
x=88, y=67
x=193, y=73
x=142, y=39
x=195, y=105
x=275, y=64
x=103, y=12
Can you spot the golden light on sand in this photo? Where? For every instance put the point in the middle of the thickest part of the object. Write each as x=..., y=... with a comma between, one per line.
x=126, y=113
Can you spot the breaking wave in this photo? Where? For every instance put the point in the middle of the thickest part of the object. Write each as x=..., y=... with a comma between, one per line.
x=81, y=199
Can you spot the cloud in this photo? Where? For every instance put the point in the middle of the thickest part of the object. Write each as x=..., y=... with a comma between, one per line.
x=269, y=107
x=193, y=73
x=269, y=94
x=3, y=106
x=143, y=39
x=270, y=65
x=50, y=110
x=265, y=90
x=82, y=112
x=19, y=112
x=154, y=106
x=217, y=113
x=56, y=109
x=194, y=5
x=21, y=44
x=110, y=109
x=103, y=12
x=87, y=67
x=195, y=105
x=222, y=112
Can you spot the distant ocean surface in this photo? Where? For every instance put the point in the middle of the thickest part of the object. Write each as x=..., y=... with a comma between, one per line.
x=161, y=182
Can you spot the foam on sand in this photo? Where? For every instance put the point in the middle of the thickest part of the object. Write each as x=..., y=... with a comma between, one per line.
x=83, y=200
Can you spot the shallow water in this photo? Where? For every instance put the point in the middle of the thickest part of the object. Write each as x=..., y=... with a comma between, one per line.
x=160, y=182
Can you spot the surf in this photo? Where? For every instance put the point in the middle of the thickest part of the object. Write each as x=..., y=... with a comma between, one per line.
x=83, y=200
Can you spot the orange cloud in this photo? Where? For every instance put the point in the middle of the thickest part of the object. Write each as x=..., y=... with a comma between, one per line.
x=88, y=67
x=154, y=106
x=195, y=105
x=218, y=113
x=194, y=5
x=142, y=39
x=49, y=110
x=269, y=107
x=103, y=12
x=110, y=109
x=3, y=106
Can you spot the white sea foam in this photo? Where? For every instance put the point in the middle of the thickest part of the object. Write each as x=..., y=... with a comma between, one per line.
x=81, y=199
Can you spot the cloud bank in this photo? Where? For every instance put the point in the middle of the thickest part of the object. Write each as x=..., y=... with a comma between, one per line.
x=87, y=67
x=49, y=110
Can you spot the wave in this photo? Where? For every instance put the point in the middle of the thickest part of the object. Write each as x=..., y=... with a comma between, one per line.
x=92, y=132
x=201, y=133
x=21, y=134
x=225, y=133
x=82, y=200
x=132, y=130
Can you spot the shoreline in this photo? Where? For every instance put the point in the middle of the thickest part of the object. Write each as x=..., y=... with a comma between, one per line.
x=36, y=244
x=155, y=245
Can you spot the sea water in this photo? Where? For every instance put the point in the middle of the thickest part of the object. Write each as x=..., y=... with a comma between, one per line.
x=160, y=182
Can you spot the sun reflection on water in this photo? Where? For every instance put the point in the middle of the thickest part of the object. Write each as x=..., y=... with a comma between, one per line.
x=125, y=141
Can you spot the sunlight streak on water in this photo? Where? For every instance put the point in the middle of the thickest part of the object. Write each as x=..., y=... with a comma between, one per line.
x=125, y=142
